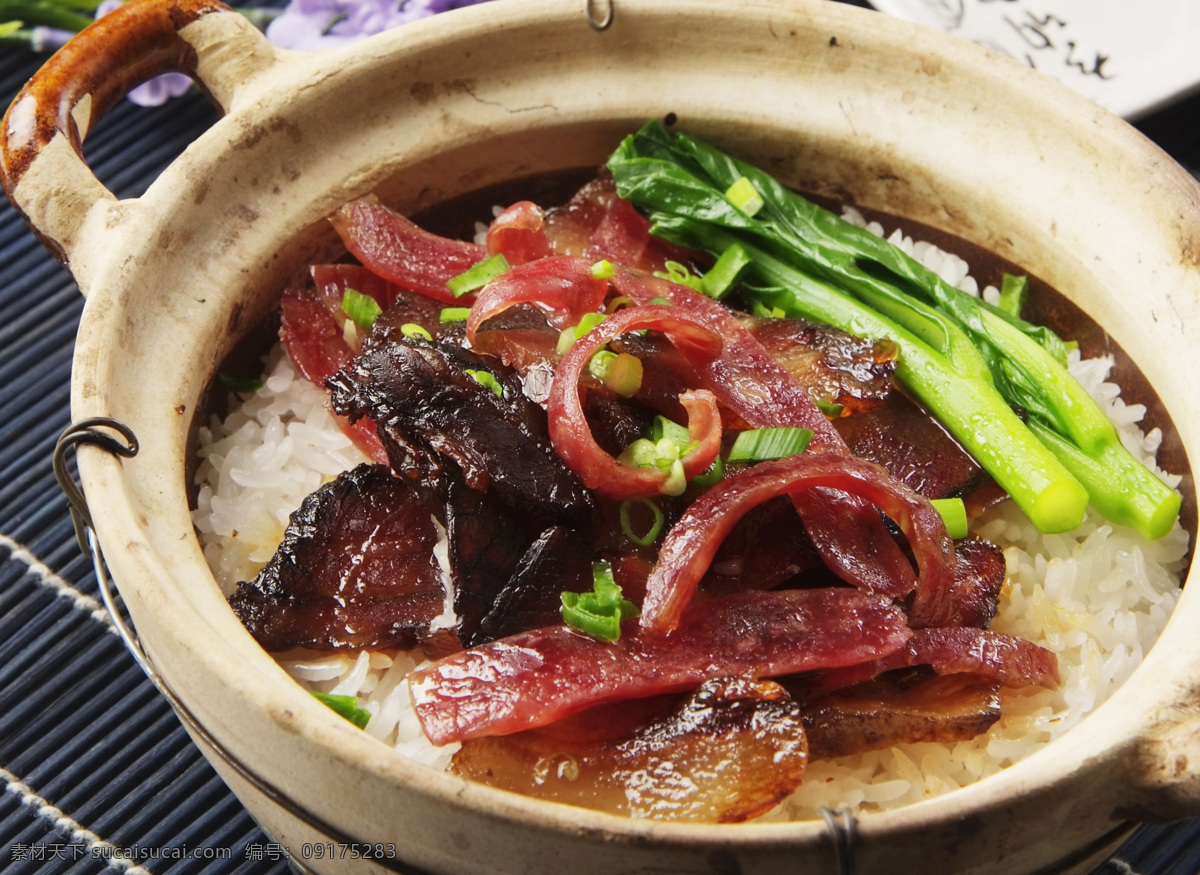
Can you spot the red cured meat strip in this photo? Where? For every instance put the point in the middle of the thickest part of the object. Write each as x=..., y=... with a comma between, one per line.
x=536, y=677
x=569, y=429
x=561, y=284
x=518, y=234
x=400, y=251
x=693, y=541
x=1012, y=661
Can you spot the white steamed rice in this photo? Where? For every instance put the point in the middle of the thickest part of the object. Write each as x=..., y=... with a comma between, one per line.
x=1097, y=597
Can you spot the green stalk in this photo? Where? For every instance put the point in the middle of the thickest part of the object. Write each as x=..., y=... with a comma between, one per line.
x=43, y=12
x=683, y=181
x=958, y=391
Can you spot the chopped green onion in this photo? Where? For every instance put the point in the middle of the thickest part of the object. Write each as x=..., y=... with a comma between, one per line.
x=711, y=475
x=487, y=380
x=642, y=453
x=346, y=706
x=664, y=447
x=954, y=514
x=412, y=331
x=721, y=277
x=568, y=336
x=478, y=276
x=662, y=427
x=362, y=309
x=620, y=372
x=677, y=273
x=761, y=444
x=676, y=481
x=830, y=408
x=604, y=269
x=1013, y=290
x=240, y=384
x=454, y=314
x=656, y=523
x=598, y=613
x=666, y=301
x=743, y=195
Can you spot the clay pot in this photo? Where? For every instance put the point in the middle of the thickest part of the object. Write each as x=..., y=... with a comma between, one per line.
x=836, y=100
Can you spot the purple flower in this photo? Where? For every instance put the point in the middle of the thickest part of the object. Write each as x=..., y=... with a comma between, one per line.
x=48, y=39
x=304, y=24
x=323, y=24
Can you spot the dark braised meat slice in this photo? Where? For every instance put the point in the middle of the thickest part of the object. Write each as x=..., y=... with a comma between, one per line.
x=978, y=579
x=835, y=367
x=431, y=412
x=885, y=712
x=911, y=444
x=559, y=560
x=485, y=548
x=727, y=753
x=355, y=570
x=768, y=546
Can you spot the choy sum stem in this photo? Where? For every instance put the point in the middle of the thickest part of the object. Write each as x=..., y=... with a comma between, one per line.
x=968, y=362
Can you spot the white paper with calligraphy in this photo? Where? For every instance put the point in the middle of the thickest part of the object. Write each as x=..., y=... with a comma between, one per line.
x=1130, y=56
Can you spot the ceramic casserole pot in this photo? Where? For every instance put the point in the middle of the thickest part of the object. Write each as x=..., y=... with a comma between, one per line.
x=835, y=100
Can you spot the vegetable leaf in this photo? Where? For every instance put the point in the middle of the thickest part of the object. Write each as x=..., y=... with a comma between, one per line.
x=970, y=363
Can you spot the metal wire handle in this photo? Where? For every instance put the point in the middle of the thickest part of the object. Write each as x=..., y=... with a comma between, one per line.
x=843, y=827
x=85, y=432
x=598, y=23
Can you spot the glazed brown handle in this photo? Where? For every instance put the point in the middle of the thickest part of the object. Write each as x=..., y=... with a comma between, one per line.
x=41, y=152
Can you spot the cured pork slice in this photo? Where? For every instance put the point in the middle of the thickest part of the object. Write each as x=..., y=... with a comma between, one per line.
x=355, y=570
x=726, y=753
x=883, y=713
x=437, y=405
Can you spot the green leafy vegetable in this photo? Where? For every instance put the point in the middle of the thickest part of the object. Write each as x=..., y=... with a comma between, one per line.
x=362, y=309
x=478, y=275
x=598, y=613
x=347, y=706
x=46, y=13
x=1013, y=291
x=970, y=363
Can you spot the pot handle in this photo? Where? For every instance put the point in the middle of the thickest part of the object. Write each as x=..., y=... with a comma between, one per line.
x=41, y=151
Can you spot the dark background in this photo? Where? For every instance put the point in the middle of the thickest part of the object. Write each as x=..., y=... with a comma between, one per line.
x=91, y=757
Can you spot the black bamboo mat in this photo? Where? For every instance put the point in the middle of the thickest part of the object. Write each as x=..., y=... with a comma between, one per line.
x=96, y=774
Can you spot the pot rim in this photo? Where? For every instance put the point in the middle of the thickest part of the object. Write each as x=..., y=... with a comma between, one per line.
x=1104, y=737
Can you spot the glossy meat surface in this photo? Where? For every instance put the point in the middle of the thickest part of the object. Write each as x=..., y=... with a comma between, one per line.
x=355, y=570
x=726, y=753
x=536, y=677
